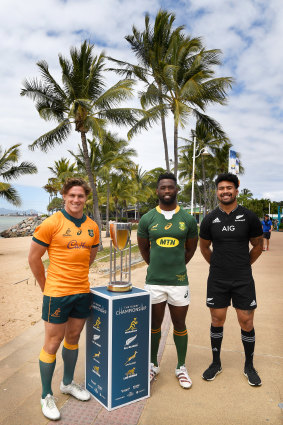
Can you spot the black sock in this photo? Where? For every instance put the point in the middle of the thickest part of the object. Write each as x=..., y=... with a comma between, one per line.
x=216, y=336
x=248, y=340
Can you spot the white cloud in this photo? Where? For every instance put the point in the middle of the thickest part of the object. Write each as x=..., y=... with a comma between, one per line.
x=248, y=32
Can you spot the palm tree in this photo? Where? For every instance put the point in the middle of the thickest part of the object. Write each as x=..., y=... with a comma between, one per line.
x=81, y=100
x=245, y=196
x=151, y=49
x=62, y=169
x=111, y=155
x=123, y=190
x=204, y=140
x=182, y=71
x=9, y=171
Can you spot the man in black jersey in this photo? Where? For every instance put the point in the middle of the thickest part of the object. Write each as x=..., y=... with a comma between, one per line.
x=230, y=228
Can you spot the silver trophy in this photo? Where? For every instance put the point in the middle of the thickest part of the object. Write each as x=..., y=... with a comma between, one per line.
x=120, y=276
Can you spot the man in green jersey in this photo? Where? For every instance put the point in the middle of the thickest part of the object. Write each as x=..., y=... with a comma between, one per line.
x=167, y=239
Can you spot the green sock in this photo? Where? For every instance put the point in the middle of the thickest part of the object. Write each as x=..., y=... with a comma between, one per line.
x=181, y=342
x=46, y=366
x=69, y=355
x=155, y=339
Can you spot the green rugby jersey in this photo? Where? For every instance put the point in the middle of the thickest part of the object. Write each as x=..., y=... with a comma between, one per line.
x=167, y=245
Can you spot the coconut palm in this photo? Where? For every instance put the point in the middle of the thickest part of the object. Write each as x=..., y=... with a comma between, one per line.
x=182, y=72
x=9, y=170
x=151, y=49
x=81, y=100
x=110, y=155
x=62, y=169
x=204, y=140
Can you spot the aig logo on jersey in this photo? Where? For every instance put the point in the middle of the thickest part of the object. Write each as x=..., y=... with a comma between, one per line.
x=228, y=228
x=167, y=242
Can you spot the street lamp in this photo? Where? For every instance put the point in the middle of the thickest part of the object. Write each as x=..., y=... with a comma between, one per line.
x=203, y=151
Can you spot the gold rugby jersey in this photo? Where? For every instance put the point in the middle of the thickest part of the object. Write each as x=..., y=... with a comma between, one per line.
x=68, y=241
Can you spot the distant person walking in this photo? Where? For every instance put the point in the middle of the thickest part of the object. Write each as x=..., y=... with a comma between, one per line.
x=267, y=228
x=230, y=228
x=71, y=240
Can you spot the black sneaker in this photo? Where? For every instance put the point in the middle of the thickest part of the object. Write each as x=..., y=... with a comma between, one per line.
x=252, y=375
x=213, y=370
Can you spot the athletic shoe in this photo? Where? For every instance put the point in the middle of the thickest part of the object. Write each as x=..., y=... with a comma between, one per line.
x=154, y=370
x=49, y=408
x=183, y=377
x=210, y=373
x=252, y=375
x=75, y=390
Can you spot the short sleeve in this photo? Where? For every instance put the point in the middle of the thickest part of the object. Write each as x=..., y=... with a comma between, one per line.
x=96, y=240
x=255, y=226
x=43, y=233
x=193, y=228
x=204, y=230
x=143, y=228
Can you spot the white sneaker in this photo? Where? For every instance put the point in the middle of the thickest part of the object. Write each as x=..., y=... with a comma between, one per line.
x=75, y=390
x=183, y=377
x=49, y=408
x=154, y=370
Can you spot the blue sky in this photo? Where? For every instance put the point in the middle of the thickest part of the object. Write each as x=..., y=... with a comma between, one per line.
x=249, y=33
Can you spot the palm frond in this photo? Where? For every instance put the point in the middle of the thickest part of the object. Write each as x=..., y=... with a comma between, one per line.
x=56, y=136
x=19, y=170
x=10, y=194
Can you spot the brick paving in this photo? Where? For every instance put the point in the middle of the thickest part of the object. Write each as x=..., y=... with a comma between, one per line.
x=75, y=412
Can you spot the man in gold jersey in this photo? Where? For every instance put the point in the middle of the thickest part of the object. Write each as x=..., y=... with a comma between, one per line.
x=72, y=241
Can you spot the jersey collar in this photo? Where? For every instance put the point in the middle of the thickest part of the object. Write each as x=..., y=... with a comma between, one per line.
x=158, y=209
x=77, y=221
x=230, y=211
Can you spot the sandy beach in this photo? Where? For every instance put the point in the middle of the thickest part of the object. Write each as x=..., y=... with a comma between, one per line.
x=20, y=295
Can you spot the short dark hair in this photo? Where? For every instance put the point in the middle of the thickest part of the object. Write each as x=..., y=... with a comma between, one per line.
x=266, y=215
x=169, y=176
x=228, y=177
x=75, y=181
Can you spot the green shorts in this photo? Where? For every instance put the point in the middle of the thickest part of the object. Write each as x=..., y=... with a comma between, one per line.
x=59, y=309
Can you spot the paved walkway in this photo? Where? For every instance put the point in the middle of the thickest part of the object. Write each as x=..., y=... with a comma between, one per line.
x=227, y=400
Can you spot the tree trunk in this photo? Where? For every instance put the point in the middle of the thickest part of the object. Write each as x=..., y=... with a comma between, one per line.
x=175, y=149
x=164, y=135
x=95, y=208
x=107, y=210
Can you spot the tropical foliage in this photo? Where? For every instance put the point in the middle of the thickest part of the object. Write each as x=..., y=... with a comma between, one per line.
x=80, y=102
x=178, y=73
x=11, y=170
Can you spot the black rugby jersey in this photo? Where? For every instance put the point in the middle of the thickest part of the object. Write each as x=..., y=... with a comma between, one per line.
x=230, y=235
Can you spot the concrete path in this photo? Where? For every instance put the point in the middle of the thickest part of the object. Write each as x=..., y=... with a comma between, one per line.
x=227, y=400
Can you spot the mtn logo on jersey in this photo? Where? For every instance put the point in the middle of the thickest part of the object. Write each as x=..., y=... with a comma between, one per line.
x=216, y=220
x=240, y=218
x=167, y=242
x=253, y=303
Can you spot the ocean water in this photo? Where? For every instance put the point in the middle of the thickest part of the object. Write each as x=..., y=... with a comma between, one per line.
x=7, y=221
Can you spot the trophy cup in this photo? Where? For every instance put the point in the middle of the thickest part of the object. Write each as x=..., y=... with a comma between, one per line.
x=120, y=237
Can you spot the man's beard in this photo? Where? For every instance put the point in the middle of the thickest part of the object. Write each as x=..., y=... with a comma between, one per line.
x=228, y=202
x=170, y=201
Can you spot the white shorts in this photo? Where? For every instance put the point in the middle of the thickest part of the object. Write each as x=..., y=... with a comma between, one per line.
x=174, y=295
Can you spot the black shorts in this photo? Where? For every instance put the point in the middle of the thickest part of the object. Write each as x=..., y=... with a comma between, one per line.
x=241, y=291
x=266, y=235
